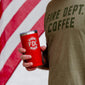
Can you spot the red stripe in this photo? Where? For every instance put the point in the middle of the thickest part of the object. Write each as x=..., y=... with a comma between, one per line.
x=5, y=3
x=14, y=59
x=10, y=66
x=0, y=10
x=26, y=8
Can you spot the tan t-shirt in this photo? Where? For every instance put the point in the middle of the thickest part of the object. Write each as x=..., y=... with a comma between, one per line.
x=65, y=34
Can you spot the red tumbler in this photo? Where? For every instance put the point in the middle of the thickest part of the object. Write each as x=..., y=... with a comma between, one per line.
x=30, y=42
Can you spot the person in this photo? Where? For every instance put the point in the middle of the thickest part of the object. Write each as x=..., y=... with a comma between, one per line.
x=64, y=26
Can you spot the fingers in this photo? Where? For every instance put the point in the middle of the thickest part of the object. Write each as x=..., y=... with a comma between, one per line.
x=26, y=63
x=30, y=69
x=22, y=50
x=26, y=57
x=29, y=64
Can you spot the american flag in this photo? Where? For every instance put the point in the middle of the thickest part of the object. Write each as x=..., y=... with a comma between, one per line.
x=17, y=16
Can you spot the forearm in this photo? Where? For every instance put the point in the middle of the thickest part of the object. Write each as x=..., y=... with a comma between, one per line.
x=44, y=67
x=45, y=61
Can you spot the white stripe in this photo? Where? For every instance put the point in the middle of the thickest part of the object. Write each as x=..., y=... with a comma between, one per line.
x=9, y=12
x=27, y=24
x=42, y=40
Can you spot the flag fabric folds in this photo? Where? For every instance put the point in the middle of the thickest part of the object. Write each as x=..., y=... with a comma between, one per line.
x=17, y=16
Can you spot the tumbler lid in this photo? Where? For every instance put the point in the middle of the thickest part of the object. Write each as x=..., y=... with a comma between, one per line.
x=28, y=32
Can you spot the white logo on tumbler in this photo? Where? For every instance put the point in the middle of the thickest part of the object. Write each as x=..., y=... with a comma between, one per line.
x=32, y=43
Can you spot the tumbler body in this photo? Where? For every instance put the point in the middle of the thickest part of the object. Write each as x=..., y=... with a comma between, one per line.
x=30, y=42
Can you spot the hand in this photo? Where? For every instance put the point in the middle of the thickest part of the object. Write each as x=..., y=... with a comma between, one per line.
x=26, y=58
x=27, y=65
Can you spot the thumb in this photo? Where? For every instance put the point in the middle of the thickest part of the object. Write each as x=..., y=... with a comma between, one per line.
x=43, y=48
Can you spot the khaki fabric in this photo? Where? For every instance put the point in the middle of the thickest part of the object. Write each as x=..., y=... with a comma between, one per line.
x=65, y=34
